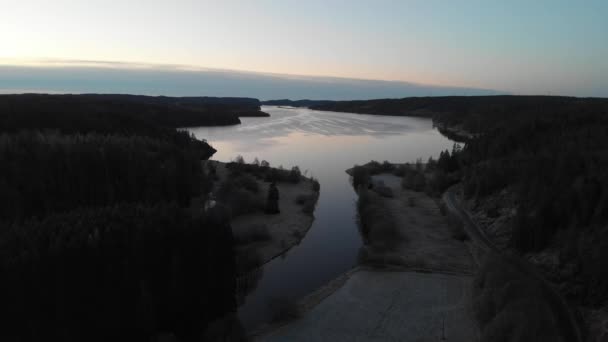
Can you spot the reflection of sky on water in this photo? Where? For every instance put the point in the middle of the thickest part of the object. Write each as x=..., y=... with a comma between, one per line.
x=325, y=144
x=304, y=129
x=323, y=123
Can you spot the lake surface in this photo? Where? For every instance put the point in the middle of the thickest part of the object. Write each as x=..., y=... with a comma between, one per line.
x=324, y=144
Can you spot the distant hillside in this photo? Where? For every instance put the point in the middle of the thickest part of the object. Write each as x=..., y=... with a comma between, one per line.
x=241, y=106
x=297, y=103
x=472, y=113
x=76, y=112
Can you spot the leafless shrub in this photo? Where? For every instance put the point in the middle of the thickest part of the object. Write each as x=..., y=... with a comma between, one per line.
x=283, y=309
x=411, y=201
x=247, y=260
x=456, y=228
x=377, y=223
x=383, y=190
x=308, y=202
x=253, y=233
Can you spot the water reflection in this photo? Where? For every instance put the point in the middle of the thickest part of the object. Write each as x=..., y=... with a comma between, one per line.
x=256, y=133
x=325, y=144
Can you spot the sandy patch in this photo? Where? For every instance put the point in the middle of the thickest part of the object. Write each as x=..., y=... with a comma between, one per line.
x=374, y=305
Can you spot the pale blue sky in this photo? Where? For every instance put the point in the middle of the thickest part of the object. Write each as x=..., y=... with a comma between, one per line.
x=521, y=47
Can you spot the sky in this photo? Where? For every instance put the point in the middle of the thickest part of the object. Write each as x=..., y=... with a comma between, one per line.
x=519, y=47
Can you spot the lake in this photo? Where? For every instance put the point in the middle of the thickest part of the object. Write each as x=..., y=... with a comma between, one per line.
x=324, y=145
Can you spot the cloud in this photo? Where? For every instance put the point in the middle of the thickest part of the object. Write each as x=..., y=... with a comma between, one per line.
x=90, y=76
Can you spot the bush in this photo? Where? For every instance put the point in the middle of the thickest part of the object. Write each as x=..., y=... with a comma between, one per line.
x=439, y=181
x=373, y=167
x=239, y=200
x=309, y=206
x=456, y=228
x=399, y=171
x=383, y=190
x=419, y=167
x=419, y=182
x=253, y=233
x=277, y=175
x=361, y=177
x=387, y=167
x=377, y=223
x=239, y=159
x=283, y=309
x=308, y=202
x=302, y=198
x=316, y=187
x=443, y=209
x=411, y=201
x=294, y=175
x=244, y=202
x=431, y=164
x=247, y=182
x=594, y=263
x=413, y=179
x=248, y=260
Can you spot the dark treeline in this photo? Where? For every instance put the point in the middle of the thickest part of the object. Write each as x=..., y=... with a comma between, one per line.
x=127, y=112
x=474, y=113
x=98, y=236
x=433, y=177
x=47, y=173
x=241, y=106
x=297, y=103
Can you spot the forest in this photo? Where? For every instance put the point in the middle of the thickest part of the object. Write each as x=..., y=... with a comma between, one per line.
x=99, y=239
x=121, y=272
x=556, y=165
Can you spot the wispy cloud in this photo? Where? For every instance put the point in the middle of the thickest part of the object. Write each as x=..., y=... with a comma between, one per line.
x=80, y=76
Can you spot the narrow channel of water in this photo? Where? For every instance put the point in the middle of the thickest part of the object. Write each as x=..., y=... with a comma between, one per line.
x=325, y=144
